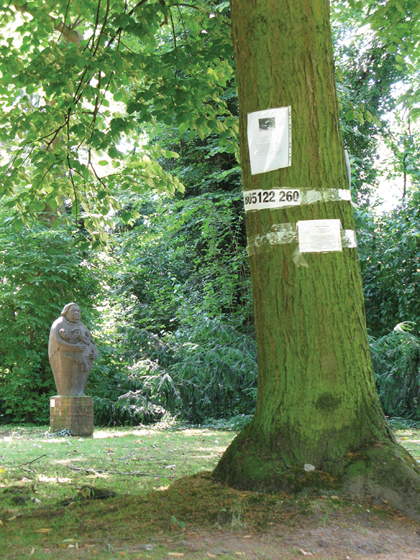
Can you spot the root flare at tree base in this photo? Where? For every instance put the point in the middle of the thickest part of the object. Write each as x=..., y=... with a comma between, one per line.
x=384, y=473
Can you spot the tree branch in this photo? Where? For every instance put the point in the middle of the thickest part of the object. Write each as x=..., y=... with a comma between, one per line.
x=67, y=32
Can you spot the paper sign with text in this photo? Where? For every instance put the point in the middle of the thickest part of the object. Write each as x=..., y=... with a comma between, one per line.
x=270, y=139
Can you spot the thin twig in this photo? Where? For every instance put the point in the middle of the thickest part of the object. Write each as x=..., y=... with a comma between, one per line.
x=183, y=25
x=33, y=461
x=122, y=473
x=173, y=28
x=125, y=458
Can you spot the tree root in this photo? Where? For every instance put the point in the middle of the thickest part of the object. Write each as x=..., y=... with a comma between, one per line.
x=387, y=473
x=383, y=472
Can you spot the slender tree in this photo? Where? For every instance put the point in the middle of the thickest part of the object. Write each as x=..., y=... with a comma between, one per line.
x=318, y=420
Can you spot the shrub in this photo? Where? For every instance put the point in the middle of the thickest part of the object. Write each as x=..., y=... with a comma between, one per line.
x=205, y=370
x=396, y=361
x=40, y=271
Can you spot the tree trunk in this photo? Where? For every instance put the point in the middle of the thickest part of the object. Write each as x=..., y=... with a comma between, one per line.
x=317, y=403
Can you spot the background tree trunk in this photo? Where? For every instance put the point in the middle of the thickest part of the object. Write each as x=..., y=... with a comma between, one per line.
x=317, y=402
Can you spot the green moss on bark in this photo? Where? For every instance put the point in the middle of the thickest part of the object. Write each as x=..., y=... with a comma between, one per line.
x=383, y=472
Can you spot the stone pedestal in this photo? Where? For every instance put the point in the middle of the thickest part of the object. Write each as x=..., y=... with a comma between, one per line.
x=74, y=413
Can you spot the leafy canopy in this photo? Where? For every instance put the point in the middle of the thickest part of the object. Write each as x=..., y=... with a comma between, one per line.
x=80, y=81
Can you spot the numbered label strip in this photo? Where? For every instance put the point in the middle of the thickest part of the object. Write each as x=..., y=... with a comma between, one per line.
x=276, y=198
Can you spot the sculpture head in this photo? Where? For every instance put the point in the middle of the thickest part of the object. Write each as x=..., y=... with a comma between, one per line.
x=71, y=312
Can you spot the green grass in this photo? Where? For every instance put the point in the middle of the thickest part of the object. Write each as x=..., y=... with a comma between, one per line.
x=128, y=461
x=38, y=471
x=410, y=439
x=166, y=504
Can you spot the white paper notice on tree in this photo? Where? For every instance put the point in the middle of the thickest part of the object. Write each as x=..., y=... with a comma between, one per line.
x=319, y=236
x=270, y=139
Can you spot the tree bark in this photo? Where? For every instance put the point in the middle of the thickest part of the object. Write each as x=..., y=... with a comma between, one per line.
x=317, y=403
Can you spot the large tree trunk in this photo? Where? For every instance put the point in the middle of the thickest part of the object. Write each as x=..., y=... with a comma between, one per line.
x=317, y=403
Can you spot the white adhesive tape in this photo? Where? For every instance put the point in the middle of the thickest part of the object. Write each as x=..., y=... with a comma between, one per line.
x=281, y=234
x=260, y=199
x=348, y=238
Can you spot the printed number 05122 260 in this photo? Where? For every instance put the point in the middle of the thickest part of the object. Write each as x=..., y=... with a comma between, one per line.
x=277, y=196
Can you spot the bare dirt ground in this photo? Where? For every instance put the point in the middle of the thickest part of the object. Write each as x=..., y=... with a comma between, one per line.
x=345, y=539
x=383, y=541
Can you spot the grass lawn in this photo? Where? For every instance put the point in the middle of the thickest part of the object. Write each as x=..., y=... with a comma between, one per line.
x=153, y=497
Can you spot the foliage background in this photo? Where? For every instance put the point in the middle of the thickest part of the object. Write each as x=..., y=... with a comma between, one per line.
x=120, y=189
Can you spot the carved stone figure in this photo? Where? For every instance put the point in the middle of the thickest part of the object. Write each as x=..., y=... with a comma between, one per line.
x=71, y=351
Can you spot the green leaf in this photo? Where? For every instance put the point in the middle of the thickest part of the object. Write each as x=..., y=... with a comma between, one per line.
x=183, y=127
x=415, y=113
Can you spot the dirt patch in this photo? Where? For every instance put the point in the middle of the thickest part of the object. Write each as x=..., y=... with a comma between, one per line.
x=387, y=541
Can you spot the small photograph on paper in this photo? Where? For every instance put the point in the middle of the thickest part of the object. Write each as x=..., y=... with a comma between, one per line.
x=270, y=139
x=265, y=124
x=319, y=236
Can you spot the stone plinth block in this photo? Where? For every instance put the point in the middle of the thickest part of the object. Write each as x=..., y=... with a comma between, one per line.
x=74, y=413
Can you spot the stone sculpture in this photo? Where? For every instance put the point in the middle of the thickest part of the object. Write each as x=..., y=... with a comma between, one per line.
x=71, y=351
